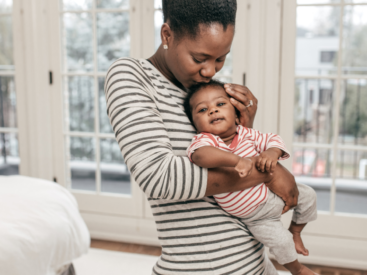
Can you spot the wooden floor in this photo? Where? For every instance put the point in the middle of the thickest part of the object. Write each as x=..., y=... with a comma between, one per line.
x=156, y=251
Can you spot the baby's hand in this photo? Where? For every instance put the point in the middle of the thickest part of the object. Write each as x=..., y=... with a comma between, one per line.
x=268, y=159
x=244, y=167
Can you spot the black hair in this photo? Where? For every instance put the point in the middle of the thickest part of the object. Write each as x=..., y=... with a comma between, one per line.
x=196, y=88
x=184, y=16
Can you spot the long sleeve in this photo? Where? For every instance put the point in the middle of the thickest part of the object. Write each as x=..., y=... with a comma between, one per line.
x=143, y=138
x=266, y=141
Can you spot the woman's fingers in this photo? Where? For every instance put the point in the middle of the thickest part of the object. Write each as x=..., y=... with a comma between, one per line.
x=241, y=97
x=239, y=91
x=238, y=105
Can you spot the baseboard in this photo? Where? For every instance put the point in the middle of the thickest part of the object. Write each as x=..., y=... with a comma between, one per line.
x=122, y=229
x=324, y=250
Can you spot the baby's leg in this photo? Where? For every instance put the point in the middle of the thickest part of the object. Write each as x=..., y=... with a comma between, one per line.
x=305, y=212
x=273, y=235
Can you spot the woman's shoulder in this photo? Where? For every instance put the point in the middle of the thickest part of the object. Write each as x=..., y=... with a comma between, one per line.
x=126, y=64
x=128, y=72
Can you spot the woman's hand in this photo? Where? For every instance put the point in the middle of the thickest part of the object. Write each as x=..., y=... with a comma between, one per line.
x=241, y=97
x=283, y=184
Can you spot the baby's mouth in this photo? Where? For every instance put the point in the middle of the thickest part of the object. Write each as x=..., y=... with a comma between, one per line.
x=217, y=120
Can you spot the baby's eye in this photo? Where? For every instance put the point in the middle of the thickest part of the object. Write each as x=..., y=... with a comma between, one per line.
x=202, y=110
x=220, y=104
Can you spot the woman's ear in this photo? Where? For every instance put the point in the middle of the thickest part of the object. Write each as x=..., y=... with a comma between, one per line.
x=166, y=35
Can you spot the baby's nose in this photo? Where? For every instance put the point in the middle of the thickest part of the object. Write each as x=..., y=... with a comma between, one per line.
x=212, y=111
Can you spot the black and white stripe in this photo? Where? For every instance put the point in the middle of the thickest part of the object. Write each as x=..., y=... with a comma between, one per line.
x=153, y=132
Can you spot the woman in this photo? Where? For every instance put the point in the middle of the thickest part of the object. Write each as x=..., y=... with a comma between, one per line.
x=144, y=103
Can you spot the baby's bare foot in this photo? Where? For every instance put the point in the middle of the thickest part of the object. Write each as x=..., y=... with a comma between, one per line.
x=300, y=248
x=305, y=271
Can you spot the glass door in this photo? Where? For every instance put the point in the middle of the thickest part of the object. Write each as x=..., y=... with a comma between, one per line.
x=322, y=111
x=93, y=34
x=9, y=154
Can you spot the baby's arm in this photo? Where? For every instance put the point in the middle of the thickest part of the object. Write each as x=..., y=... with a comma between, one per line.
x=211, y=157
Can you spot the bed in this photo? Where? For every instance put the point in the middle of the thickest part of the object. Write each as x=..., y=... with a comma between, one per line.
x=41, y=230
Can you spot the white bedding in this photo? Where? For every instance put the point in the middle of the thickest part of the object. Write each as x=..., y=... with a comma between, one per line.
x=41, y=229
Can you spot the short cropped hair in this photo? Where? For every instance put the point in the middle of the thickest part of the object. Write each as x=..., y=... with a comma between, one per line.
x=184, y=16
x=196, y=88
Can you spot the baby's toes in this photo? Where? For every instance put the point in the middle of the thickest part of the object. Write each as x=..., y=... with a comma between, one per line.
x=301, y=250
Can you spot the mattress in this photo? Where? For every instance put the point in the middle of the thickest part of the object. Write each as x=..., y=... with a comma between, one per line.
x=41, y=230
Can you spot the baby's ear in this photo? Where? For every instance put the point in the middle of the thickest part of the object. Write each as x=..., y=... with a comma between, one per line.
x=237, y=120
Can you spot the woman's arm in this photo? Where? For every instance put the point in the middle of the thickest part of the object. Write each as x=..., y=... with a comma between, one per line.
x=143, y=138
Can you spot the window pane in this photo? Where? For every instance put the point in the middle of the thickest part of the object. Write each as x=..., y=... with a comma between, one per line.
x=79, y=103
x=224, y=79
x=317, y=40
x=355, y=40
x=355, y=1
x=112, y=4
x=113, y=38
x=351, y=182
x=82, y=163
x=77, y=4
x=6, y=6
x=313, y=167
x=9, y=155
x=78, y=42
x=158, y=4
x=353, y=112
x=104, y=122
x=6, y=43
x=8, y=102
x=227, y=68
x=316, y=1
x=313, y=110
x=114, y=173
x=158, y=22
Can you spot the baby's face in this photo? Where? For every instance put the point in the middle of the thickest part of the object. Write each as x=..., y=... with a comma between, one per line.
x=212, y=112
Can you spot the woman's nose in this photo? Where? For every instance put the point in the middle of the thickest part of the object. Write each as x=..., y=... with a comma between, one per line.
x=208, y=71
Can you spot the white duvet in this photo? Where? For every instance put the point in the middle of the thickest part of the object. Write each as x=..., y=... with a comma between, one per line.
x=41, y=229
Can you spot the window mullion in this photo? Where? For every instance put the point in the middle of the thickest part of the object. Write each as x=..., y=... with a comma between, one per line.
x=96, y=105
x=336, y=111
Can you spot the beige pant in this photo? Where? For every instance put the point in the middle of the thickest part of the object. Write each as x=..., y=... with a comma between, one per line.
x=265, y=225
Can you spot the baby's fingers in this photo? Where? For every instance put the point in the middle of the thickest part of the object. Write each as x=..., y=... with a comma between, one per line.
x=268, y=166
x=263, y=165
x=274, y=163
x=258, y=163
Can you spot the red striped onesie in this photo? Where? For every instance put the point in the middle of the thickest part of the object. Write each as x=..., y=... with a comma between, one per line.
x=247, y=143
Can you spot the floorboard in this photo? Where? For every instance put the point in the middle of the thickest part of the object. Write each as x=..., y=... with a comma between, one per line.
x=156, y=251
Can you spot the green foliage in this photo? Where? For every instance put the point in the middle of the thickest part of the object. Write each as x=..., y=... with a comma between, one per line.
x=353, y=110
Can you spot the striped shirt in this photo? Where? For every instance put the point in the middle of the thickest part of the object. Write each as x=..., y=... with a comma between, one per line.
x=197, y=236
x=246, y=143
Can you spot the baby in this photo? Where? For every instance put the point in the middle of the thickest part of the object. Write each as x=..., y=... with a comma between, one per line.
x=222, y=142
